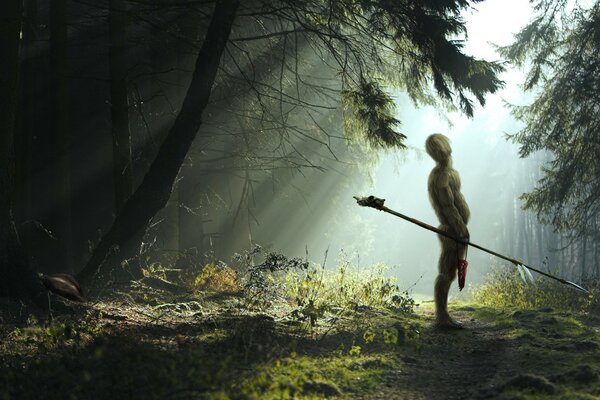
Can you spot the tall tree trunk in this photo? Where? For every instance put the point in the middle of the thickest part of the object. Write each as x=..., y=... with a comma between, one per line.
x=540, y=242
x=119, y=105
x=18, y=280
x=60, y=128
x=596, y=259
x=26, y=116
x=155, y=190
x=584, y=250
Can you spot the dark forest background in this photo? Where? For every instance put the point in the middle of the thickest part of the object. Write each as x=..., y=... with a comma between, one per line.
x=155, y=130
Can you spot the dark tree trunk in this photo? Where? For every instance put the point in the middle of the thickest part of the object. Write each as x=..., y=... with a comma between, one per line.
x=119, y=105
x=596, y=259
x=18, y=281
x=26, y=117
x=60, y=129
x=155, y=190
x=584, y=250
x=540, y=242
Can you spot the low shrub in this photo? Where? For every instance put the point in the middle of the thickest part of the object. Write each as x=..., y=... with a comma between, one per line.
x=505, y=288
x=217, y=277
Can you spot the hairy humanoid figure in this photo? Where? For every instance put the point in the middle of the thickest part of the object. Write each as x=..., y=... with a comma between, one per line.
x=453, y=213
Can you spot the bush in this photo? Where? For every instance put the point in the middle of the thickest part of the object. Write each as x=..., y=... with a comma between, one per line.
x=263, y=283
x=319, y=290
x=505, y=288
x=217, y=277
x=313, y=290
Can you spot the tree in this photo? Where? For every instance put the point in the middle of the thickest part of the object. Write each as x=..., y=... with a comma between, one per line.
x=369, y=44
x=26, y=117
x=17, y=278
x=61, y=137
x=560, y=48
x=119, y=105
x=155, y=190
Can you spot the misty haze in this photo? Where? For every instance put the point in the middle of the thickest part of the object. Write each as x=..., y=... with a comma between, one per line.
x=315, y=199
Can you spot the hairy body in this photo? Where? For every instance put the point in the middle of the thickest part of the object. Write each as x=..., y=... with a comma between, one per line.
x=453, y=213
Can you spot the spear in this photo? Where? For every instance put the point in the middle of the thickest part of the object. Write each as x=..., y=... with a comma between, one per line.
x=377, y=203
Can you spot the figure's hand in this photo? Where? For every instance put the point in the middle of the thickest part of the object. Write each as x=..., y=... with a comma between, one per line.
x=464, y=237
x=464, y=241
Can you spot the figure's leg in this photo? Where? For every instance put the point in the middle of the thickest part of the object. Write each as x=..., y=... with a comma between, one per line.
x=446, y=274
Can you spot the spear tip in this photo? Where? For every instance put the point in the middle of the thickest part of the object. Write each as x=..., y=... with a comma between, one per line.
x=576, y=286
x=370, y=201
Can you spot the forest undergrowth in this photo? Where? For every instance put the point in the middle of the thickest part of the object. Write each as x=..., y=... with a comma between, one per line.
x=275, y=328
x=265, y=326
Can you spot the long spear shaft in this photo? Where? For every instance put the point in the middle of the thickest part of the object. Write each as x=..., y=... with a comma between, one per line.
x=377, y=203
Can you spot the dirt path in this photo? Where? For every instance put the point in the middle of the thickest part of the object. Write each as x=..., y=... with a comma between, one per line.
x=520, y=355
x=451, y=364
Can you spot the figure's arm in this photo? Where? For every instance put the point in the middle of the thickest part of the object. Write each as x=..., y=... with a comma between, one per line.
x=449, y=210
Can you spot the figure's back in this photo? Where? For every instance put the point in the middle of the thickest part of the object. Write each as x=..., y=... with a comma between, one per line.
x=445, y=195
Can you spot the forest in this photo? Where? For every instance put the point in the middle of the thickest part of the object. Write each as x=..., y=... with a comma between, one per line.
x=179, y=183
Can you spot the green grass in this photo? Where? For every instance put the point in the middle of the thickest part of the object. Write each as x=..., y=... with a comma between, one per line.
x=554, y=331
x=304, y=339
x=505, y=289
x=244, y=357
x=307, y=333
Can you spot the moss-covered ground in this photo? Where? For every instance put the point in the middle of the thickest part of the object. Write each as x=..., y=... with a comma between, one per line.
x=202, y=348
x=203, y=345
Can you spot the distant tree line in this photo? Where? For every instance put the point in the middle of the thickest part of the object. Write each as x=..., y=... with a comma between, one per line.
x=559, y=47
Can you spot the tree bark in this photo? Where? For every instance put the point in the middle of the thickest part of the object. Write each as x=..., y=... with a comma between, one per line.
x=155, y=190
x=60, y=129
x=596, y=259
x=119, y=105
x=18, y=281
x=584, y=274
x=26, y=117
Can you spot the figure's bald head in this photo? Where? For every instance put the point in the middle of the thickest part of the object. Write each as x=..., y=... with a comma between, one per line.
x=438, y=147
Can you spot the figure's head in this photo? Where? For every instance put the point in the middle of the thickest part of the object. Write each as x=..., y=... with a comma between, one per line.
x=438, y=147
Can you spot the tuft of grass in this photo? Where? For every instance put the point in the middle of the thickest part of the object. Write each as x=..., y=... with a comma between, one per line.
x=346, y=287
x=312, y=292
x=505, y=289
x=344, y=291
x=324, y=377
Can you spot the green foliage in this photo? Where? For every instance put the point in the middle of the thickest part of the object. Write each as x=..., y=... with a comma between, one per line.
x=412, y=46
x=219, y=347
x=301, y=377
x=217, y=277
x=314, y=291
x=262, y=282
x=343, y=291
x=504, y=288
x=54, y=335
x=561, y=48
x=370, y=112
